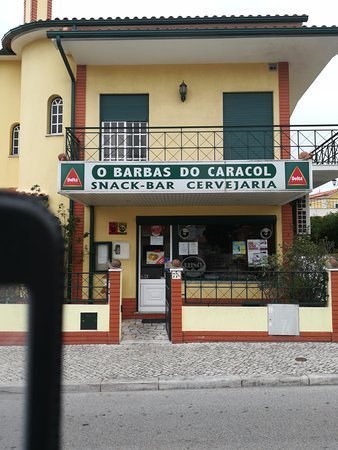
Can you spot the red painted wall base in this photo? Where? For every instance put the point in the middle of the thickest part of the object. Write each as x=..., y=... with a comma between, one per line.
x=252, y=336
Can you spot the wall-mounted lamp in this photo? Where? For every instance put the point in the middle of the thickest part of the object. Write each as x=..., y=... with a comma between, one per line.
x=334, y=182
x=183, y=91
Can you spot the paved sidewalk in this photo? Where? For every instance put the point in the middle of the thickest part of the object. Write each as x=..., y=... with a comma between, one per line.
x=156, y=365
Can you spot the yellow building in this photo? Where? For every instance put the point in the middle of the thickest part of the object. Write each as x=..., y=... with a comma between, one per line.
x=322, y=203
x=171, y=138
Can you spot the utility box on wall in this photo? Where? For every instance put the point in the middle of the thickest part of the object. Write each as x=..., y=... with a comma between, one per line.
x=283, y=320
x=121, y=250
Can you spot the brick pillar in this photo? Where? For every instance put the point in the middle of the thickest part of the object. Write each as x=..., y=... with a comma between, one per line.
x=37, y=10
x=284, y=108
x=115, y=296
x=334, y=303
x=287, y=224
x=176, y=305
x=79, y=211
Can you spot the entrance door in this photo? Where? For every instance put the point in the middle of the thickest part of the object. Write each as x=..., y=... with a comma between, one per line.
x=155, y=249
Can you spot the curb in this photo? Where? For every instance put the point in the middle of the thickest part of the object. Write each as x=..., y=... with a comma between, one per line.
x=162, y=383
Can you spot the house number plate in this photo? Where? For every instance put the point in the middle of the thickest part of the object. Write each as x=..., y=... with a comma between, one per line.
x=176, y=275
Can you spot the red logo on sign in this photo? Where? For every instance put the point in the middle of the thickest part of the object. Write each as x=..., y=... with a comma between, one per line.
x=72, y=179
x=297, y=178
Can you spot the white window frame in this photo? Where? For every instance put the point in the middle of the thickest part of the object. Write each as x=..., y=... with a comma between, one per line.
x=15, y=140
x=124, y=141
x=303, y=224
x=56, y=116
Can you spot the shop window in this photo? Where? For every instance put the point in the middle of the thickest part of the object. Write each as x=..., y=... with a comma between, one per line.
x=102, y=256
x=55, y=115
x=15, y=140
x=224, y=248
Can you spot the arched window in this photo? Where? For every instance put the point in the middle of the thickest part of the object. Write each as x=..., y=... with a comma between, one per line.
x=56, y=115
x=15, y=138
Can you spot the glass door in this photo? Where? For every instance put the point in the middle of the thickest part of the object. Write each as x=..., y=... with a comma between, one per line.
x=155, y=248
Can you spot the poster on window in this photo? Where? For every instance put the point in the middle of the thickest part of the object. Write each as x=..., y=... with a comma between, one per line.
x=257, y=252
x=155, y=257
x=238, y=248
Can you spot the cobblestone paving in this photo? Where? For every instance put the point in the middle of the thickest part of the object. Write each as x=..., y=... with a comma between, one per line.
x=88, y=363
x=133, y=330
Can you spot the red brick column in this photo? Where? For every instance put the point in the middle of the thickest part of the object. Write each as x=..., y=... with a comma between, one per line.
x=115, y=296
x=334, y=300
x=34, y=10
x=79, y=211
x=176, y=305
x=284, y=108
x=49, y=9
x=287, y=224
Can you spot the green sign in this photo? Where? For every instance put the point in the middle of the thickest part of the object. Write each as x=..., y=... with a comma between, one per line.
x=72, y=177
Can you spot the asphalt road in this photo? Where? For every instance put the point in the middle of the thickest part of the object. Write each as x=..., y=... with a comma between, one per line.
x=250, y=418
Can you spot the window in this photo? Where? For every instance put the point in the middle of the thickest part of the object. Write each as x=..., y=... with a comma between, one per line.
x=102, y=255
x=124, y=127
x=303, y=216
x=124, y=141
x=15, y=138
x=56, y=115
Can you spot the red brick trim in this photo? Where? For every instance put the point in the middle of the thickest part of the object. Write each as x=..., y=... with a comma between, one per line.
x=176, y=311
x=148, y=316
x=85, y=337
x=129, y=311
x=79, y=210
x=252, y=336
x=34, y=10
x=13, y=338
x=334, y=300
x=284, y=107
x=49, y=9
x=287, y=224
x=114, y=306
x=128, y=308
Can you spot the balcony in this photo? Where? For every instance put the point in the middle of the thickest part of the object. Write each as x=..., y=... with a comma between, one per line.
x=134, y=164
x=139, y=142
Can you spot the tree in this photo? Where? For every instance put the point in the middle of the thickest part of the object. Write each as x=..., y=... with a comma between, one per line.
x=325, y=227
x=297, y=273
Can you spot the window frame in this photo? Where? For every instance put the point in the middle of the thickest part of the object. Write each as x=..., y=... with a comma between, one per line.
x=124, y=141
x=56, y=118
x=15, y=140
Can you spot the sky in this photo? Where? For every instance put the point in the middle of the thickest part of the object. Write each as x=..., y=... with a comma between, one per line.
x=324, y=91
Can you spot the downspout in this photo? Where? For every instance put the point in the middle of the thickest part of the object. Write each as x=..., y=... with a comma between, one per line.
x=72, y=77
x=91, y=249
x=72, y=124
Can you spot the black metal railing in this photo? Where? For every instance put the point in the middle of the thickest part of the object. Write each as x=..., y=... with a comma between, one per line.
x=319, y=142
x=256, y=288
x=86, y=287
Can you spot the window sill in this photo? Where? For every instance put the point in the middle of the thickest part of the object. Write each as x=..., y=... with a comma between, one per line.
x=54, y=134
x=13, y=156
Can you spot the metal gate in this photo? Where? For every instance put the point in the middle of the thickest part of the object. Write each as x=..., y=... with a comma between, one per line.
x=168, y=303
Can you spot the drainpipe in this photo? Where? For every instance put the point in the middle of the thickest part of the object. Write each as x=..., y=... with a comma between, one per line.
x=91, y=249
x=72, y=120
x=72, y=77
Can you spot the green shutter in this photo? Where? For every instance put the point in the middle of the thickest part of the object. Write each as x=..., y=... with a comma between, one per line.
x=124, y=107
x=248, y=109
